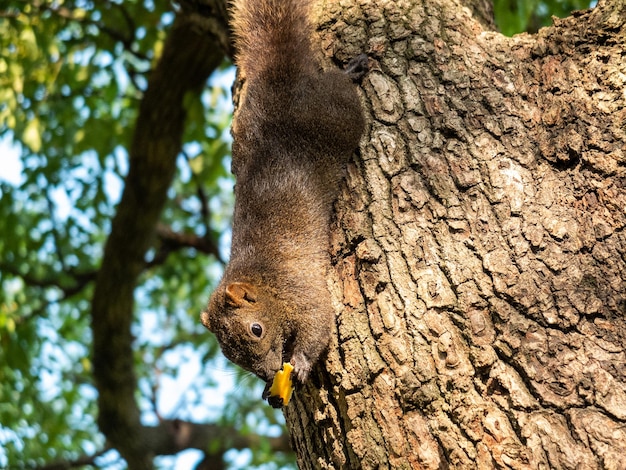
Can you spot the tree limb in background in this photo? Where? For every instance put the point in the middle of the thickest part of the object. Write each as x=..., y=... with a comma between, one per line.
x=187, y=61
x=173, y=436
x=171, y=241
x=82, y=461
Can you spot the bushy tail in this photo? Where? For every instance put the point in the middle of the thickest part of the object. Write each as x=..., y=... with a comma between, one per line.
x=272, y=36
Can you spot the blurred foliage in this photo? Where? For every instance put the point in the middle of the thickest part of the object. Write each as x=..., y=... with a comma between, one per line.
x=517, y=16
x=72, y=74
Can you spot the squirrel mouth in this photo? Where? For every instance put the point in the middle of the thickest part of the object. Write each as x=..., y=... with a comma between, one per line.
x=289, y=344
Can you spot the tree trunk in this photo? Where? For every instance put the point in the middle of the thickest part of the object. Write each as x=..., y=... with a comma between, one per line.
x=479, y=251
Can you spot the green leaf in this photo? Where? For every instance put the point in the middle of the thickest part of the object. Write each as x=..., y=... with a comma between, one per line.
x=32, y=135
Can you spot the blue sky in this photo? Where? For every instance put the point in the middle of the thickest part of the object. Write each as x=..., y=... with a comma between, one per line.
x=10, y=165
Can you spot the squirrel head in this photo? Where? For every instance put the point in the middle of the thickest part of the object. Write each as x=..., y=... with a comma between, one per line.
x=243, y=318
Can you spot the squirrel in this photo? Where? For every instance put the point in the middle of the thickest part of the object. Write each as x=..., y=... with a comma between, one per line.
x=294, y=130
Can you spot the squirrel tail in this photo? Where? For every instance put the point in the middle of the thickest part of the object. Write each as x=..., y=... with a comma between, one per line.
x=272, y=37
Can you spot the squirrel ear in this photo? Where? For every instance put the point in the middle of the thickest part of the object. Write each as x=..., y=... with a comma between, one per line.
x=240, y=293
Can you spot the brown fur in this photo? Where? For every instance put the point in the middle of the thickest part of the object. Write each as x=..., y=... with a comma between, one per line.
x=295, y=128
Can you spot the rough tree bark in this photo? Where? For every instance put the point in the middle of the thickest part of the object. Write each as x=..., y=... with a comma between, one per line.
x=480, y=250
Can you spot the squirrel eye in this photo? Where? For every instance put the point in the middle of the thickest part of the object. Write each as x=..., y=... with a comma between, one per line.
x=256, y=329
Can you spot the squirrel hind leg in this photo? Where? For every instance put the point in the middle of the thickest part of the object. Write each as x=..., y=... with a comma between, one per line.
x=357, y=68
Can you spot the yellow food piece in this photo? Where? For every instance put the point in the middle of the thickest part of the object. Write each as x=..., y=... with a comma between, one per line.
x=282, y=385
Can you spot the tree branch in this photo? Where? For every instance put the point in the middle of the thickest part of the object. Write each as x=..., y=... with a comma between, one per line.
x=187, y=61
x=170, y=437
x=204, y=209
x=126, y=40
x=81, y=279
x=79, y=462
x=173, y=436
x=209, y=17
x=171, y=241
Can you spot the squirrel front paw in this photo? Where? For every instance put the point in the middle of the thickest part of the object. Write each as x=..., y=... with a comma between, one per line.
x=301, y=366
